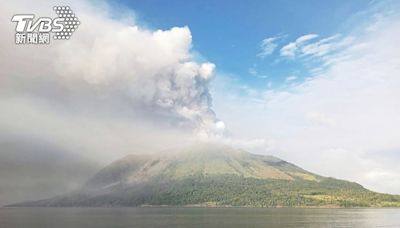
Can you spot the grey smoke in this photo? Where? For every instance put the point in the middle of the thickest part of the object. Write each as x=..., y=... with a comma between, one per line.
x=112, y=89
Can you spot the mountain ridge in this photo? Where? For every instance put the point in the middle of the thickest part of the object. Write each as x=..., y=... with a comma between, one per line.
x=218, y=175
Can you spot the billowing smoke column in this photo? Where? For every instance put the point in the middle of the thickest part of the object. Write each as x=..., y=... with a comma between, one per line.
x=185, y=92
x=113, y=57
x=154, y=69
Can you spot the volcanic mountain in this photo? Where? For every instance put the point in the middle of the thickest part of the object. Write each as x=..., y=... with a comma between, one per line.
x=214, y=175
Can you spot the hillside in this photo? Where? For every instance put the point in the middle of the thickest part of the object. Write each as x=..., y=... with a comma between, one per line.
x=214, y=175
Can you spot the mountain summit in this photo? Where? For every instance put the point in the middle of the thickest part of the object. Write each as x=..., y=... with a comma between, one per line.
x=214, y=175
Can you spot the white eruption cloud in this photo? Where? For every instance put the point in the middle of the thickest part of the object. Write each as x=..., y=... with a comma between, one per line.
x=154, y=70
x=113, y=88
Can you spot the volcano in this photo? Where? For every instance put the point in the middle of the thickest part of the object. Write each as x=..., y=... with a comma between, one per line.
x=214, y=175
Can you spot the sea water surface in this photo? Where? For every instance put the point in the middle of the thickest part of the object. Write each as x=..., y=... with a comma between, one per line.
x=196, y=217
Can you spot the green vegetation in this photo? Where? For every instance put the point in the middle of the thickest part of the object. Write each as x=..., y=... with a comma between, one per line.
x=209, y=175
x=229, y=190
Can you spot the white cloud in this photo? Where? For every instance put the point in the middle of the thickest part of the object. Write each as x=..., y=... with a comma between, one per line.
x=290, y=78
x=112, y=89
x=112, y=57
x=268, y=45
x=319, y=50
x=326, y=48
x=343, y=122
x=290, y=49
x=305, y=38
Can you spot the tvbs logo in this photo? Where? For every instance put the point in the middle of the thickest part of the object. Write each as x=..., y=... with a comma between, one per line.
x=38, y=31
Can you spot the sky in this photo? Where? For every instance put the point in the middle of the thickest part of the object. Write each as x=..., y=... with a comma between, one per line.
x=245, y=38
x=314, y=83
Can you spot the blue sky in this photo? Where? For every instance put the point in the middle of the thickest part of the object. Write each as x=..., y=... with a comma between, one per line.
x=301, y=79
x=229, y=33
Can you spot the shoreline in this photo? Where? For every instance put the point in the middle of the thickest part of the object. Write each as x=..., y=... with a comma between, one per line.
x=202, y=206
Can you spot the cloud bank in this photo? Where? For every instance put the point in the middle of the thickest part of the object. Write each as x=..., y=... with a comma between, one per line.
x=342, y=122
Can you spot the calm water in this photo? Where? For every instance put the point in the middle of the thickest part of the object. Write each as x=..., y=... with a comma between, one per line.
x=195, y=217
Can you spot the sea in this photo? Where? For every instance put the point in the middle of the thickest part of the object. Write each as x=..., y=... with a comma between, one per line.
x=196, y=217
